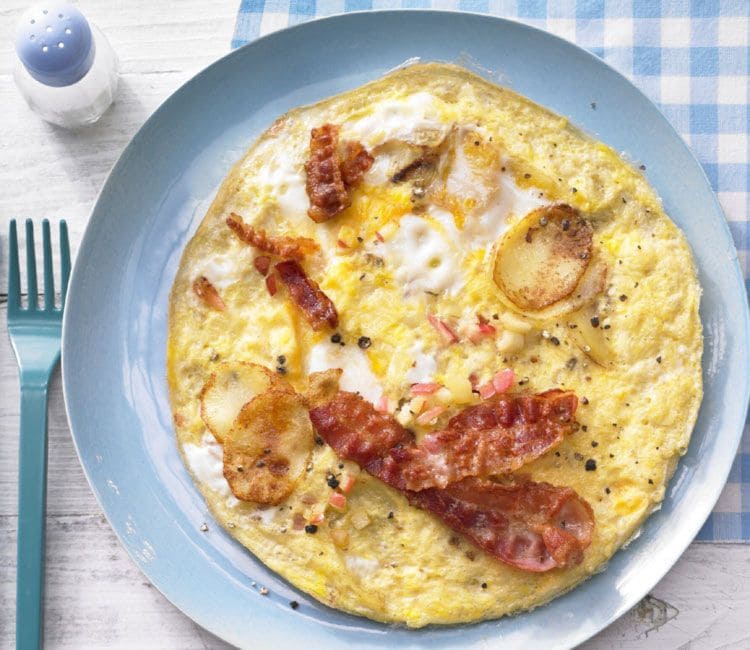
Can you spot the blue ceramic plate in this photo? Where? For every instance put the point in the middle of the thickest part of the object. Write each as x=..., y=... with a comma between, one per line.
x=114, y=335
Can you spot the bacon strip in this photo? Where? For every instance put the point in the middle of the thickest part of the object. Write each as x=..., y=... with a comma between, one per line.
x=307, y=295
x=532, y=526
x=331, y=177
x=356, y=162
x=325, y=185
x=208, y=294
x=290, y=248
x=495, y=437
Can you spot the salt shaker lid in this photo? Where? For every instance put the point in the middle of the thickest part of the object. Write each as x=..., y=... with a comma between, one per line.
x=55, y=44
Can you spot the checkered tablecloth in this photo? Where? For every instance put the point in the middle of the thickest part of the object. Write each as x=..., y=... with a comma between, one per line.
x=691, y=58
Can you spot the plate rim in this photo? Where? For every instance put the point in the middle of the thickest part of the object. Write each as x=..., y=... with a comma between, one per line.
x=515, y=23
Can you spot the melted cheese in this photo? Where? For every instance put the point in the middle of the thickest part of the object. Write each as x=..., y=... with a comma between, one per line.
x=223, y=270
x=362, y=566
x=358, y=376
x=206, y=462
x=283, y=178
x=423, y=257
x=509, y=201
x=398, y=119
x=424, y=368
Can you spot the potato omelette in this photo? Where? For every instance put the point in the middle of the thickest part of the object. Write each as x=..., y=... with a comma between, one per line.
x=433, y=352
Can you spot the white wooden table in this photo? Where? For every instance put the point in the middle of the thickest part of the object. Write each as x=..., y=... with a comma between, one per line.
x=95, y=596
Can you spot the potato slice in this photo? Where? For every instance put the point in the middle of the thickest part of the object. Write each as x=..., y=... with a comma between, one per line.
x=268, y=446
x=542, y=259
x=228, y=389
x=593, y=341
x=323, y=386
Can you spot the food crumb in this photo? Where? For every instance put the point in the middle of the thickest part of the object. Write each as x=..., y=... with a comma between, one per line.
x=264, y=591
x=204, y=527
x=293, y=604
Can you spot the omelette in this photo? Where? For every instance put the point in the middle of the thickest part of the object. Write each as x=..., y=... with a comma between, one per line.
x=433, y=352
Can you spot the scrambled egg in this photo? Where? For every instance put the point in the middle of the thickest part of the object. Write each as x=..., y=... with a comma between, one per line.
x=398, y=265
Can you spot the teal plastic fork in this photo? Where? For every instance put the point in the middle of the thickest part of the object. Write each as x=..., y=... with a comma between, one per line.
x=35, y=336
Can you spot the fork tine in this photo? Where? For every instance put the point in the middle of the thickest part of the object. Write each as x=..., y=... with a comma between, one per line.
x=31, y=289
x=14, y=278
x=64, y=259
x=49, y=280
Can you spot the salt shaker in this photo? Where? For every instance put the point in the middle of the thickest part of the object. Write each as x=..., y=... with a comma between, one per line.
x=65, y=68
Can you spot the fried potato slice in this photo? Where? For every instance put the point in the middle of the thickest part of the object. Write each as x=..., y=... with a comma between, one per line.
x=323, y=386
x=543, y=258
x=593, y=341
x=268, y=446
x=228, y=389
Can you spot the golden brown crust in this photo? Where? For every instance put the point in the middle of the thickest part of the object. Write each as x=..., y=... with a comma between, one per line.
x=268, y=447
x=542, y=260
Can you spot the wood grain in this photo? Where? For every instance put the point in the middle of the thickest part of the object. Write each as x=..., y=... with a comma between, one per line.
x=95, y=596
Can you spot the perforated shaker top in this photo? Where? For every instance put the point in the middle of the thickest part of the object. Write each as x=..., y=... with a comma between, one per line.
x=55, y=44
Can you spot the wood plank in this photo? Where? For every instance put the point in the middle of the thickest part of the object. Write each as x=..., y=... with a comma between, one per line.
x=95, y=596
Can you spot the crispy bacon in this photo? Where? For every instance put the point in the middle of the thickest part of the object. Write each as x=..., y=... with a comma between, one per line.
x=330, y=177
x=533, y=526
x=307, y=295
x=288, y=248
x=496, y=437
x=357, y=160
x=357, y=431
x=208, y=294
x=325, y=183
x=262, y=263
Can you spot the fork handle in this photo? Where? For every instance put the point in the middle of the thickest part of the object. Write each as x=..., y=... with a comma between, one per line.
x=32, y=502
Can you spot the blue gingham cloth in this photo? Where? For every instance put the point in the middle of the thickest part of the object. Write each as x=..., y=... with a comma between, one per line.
x=691, y=58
